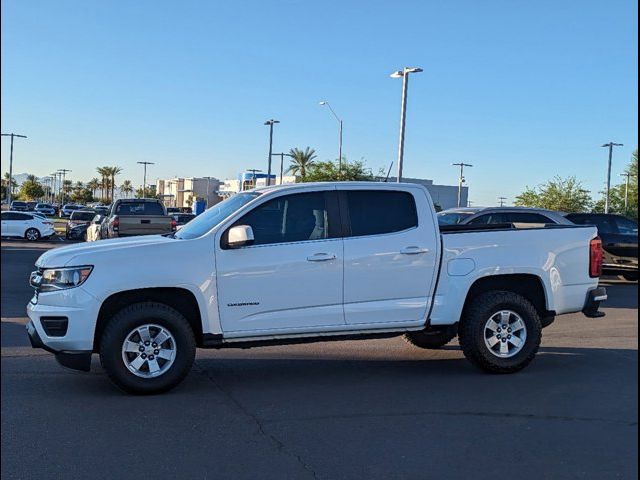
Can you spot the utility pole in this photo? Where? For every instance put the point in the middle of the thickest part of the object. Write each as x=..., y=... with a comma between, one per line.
x=626, y=190
x=63, y=172
x=10, y=189
x=270, y=122
x=461, y=179
x=144, y=178
x=281, y=155
x=404, y=74
x=607, y=200
x=502, y=199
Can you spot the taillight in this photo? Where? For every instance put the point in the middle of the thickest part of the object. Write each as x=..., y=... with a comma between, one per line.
x=596, y=257
x=115, y=223
x=174, y=224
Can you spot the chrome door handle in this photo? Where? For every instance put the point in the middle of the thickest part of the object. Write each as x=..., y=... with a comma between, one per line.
x=413, y=250
x=321, y=257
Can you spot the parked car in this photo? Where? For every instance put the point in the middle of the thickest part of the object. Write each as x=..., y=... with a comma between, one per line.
x=26, y=225
x=31, y=206
x=68, y=209
x=102, y=210
x=619, y=239
x=94, y=228
x=45, y=208
x=182, y=219
x=139, y=216
x=173, y=210
x=520, y=217
x=76, y=227
x=18, y=206
x=310, y=262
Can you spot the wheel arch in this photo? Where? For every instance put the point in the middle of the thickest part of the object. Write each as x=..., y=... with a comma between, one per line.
x=529, y=286
x=178, y=298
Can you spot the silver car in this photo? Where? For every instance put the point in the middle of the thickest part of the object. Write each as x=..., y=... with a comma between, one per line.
x=520, y=216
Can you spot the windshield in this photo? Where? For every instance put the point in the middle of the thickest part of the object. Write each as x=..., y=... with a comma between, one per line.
x=18, y=204
x=43, y=205
x=453, y=218
x=82, y=216
x=213, y=216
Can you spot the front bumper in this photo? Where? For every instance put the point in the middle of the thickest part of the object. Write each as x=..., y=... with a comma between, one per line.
x=594, y=299
x=76, y=360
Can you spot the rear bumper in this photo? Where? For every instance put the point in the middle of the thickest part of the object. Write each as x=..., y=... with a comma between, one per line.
x=76, y=360
x=592, y=305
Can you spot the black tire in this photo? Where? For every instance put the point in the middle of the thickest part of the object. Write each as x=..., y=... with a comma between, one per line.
x=472, y=331
x=631, y=276
x=431, y=338
x=136, y=315
x=32, y=235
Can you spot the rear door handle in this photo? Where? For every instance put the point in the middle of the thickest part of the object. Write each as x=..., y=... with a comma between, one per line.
x=413, y=250
x=321, y=257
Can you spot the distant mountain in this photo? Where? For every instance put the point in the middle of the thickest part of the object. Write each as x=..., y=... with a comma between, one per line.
x=20, y=178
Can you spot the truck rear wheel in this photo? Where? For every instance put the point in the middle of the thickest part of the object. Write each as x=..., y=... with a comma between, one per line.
x=147, y=348
x=432, y=338
x=500, y=332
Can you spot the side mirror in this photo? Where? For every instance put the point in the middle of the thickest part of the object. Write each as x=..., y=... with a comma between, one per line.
x=240, y=236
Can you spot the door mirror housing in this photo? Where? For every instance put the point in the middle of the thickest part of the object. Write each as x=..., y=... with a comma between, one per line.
x=240, y=236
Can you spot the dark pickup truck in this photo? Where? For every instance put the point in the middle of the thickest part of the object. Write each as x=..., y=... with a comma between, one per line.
x=139, y=216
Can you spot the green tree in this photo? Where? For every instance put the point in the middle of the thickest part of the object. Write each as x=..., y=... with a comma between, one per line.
x=126, y=188
x=113, y=171
x=31, y=190
x=93, y=185
x=6, y=183
x=301, y=161
x=82, y=195
x=618, y=193
x=561, y=194
x=104, y=173
x=330, y=171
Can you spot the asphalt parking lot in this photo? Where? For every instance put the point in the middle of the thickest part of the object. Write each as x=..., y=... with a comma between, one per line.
x=378, y=409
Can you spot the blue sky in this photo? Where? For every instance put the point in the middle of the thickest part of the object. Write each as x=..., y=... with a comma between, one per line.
x=522, y=90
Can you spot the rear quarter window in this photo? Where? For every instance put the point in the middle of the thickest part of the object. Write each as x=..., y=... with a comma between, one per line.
x=376, y=212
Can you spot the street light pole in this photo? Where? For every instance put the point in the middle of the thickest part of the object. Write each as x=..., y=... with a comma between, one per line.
x=10, y=189
x=607, y=200
x=461, y=179
x=404, y=74
x=144, y=178
x=63, y=173
x=270, y=122
x=502, y=199
x=626, y=190
x=281, y=155
x=325, y=103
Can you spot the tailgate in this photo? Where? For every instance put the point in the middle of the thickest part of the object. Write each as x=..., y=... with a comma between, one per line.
x=144, y=224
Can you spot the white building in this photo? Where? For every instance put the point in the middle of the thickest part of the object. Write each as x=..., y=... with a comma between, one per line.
x=182, y=192
x=248, y=180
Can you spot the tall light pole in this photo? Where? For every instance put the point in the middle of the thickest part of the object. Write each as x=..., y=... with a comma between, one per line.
x=626, y=190
x=63, y=174
x=610, y=146
x=404, y=74
x=144, y=178
x=461, y=179
x=502, y=199
x=10, y=189
x=281, y=155
x=270, y=122
x=325, y=103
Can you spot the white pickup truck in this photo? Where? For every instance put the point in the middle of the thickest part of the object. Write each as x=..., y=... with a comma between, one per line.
x=304, y=263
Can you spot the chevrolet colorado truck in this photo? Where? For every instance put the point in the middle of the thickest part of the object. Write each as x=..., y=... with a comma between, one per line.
x=305, y=263
x=137, y=216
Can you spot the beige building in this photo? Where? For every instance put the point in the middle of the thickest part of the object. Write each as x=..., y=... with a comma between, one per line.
x=183, y=192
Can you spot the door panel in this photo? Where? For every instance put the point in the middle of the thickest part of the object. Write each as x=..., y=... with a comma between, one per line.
x=389, y=277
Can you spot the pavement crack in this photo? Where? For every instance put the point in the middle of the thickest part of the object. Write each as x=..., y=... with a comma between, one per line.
x=280, y=446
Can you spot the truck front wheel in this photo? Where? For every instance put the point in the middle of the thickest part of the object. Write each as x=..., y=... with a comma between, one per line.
x=432, y=338
x=500, y=332
x=147, y=348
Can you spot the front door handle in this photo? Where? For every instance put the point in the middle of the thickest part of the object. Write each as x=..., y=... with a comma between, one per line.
x=413, y=250
x=321, y=257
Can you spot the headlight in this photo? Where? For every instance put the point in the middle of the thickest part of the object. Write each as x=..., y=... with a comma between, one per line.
x=53, y=279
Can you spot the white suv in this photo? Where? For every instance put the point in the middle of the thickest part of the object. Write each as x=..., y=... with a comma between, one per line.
x=26, y=225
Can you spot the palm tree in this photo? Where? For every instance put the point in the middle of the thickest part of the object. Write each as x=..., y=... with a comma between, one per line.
x=104, y=175
x=93, y=185
x=301, y=161
x=126, y=188
x=67, y=186
x=113, y=171
x=32, y=178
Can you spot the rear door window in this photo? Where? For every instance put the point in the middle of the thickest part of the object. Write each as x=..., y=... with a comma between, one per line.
x=376, y=212
x=604, y=224
x=626, y=226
